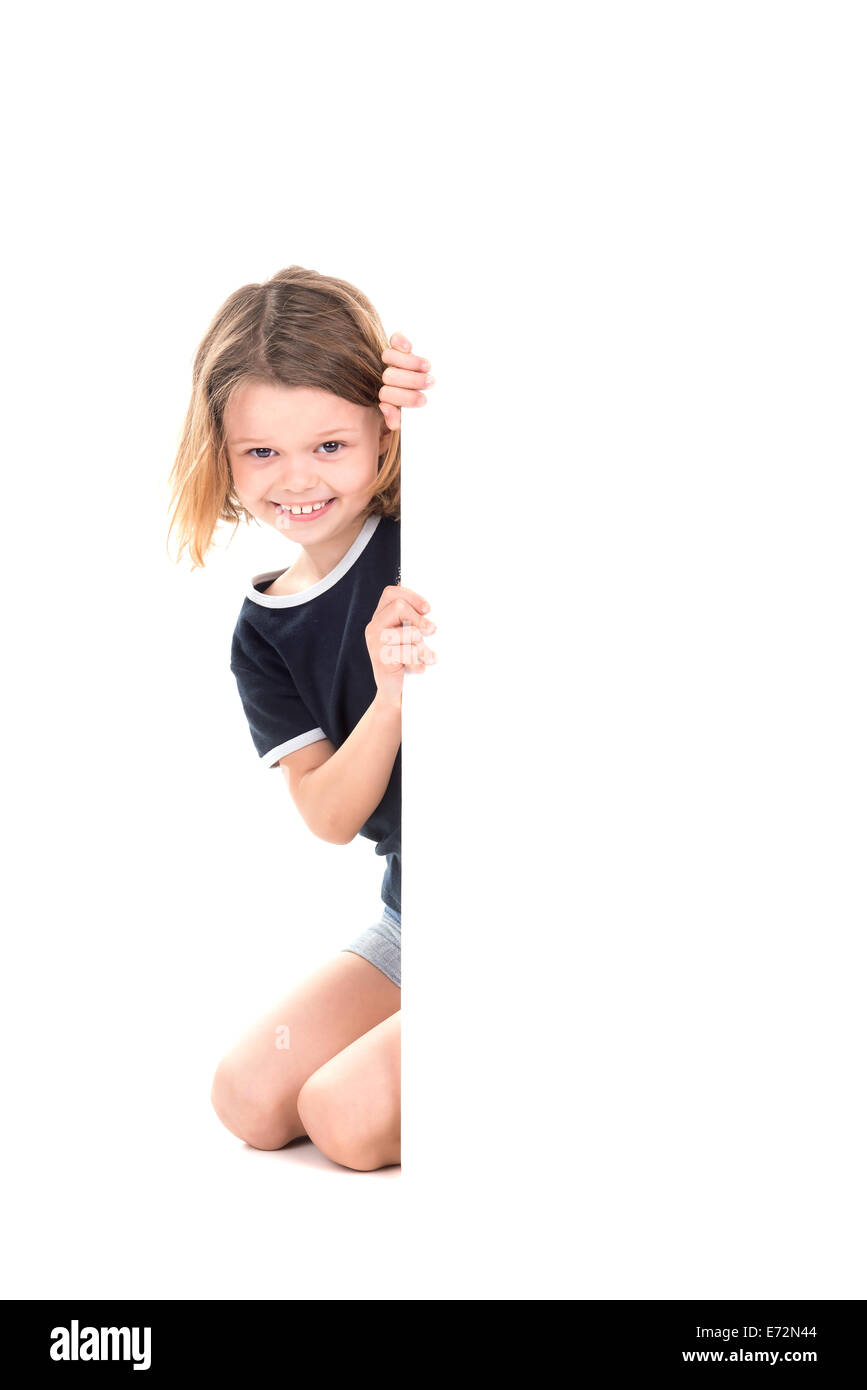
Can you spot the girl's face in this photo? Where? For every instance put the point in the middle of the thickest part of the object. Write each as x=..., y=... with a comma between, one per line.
x=296, y=446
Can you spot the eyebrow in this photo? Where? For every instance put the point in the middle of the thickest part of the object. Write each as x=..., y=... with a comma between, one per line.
x=324, y=434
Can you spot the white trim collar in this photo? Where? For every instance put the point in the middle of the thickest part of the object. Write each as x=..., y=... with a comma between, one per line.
x=340, y=569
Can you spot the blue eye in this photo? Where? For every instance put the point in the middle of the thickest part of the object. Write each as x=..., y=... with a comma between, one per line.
x=332, y=445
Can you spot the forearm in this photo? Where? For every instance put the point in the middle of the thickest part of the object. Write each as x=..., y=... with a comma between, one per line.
x=341, y=794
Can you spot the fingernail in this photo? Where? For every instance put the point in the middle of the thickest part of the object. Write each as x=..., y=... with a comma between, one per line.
x=425, y=366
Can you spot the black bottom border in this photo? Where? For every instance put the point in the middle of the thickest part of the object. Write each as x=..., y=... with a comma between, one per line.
x=172, y=1336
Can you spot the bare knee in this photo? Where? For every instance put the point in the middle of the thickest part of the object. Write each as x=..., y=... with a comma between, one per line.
x=248, y=1110
x=344, y=1133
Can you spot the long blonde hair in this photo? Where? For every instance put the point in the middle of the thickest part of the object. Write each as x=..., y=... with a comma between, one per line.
x=299, y=328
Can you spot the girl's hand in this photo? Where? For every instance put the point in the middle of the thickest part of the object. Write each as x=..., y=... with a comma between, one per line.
x=404, y=379
x=395, y=639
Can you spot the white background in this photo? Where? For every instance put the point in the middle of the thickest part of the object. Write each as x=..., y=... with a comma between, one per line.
x=634, y=785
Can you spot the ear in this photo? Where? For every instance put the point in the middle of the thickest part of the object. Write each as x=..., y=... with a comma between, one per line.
x=384, y=435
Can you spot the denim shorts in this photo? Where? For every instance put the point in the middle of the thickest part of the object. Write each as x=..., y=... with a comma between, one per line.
x=380, y=944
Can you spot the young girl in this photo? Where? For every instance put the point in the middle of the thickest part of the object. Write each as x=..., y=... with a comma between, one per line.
x=293, y=422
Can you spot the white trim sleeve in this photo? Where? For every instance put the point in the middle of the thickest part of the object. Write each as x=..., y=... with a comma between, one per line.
x=291, y=745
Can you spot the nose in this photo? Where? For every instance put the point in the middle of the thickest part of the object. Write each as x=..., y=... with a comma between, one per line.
x=297, y=478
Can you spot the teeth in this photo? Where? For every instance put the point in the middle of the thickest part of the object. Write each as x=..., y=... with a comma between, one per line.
x=298, y=511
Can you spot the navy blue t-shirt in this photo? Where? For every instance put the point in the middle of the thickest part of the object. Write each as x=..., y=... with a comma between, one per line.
x=303, y=669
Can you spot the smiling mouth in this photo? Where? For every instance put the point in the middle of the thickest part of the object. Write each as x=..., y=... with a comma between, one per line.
x=304, y=509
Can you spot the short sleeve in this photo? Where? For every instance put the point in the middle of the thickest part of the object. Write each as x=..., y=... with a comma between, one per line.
x=279, y=720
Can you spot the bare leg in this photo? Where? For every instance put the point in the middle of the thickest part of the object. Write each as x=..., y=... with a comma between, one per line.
x=256, y=1085
x=350, y=1107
